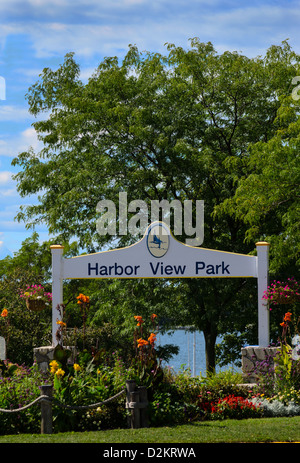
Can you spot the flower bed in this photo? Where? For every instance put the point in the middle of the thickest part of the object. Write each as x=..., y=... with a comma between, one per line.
x=174, y=398
x=180, y=398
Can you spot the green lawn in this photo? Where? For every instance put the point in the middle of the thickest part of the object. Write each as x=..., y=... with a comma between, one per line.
x=227, y=431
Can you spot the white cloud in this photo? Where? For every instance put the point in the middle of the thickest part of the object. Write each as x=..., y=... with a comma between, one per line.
x=12, y=146
x=30, y=137
x=11, y=225
x=11, y=192
x=5, y=177
x=8, y=191
x=14, y=113
x=106, y=27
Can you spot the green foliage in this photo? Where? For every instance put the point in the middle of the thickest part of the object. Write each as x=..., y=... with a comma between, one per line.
x=228, y=351
x=86, y=385
x=164, y=410
x=280, y=373
x=178, y=399
x=19, y=386
x=23, y=330
x=146, y=365
x=283, y=363
x=61, y=355
x=268, y=198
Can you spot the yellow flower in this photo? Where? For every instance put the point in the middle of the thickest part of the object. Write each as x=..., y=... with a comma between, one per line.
x=76, y=367
x=59, y=373
x=54, y=366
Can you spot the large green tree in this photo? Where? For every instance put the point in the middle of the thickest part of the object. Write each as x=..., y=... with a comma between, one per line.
x=268, y=199
x=174, y=126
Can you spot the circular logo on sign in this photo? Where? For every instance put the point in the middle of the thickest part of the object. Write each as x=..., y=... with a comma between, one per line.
x=158, y=240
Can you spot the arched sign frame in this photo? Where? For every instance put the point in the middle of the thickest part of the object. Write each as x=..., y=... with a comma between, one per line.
x=159, y=255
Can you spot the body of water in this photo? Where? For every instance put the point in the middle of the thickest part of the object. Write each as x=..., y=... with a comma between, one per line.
x=191, y=351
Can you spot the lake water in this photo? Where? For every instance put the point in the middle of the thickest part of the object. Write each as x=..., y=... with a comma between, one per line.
x=191, y=351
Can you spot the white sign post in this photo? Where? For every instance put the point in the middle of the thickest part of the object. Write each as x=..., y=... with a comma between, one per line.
x=57, y=286
x=159, y=255
x=262, y=285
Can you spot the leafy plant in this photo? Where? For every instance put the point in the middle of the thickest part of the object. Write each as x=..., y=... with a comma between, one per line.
x=146, y=364
x=19, y=385
x=164, y=410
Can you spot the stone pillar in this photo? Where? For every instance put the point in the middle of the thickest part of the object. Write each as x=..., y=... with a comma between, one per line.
x=2, y=348
x=251, y=355
x=44, y=355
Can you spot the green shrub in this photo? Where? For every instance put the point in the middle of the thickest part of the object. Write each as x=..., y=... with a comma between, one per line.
x=19, y=386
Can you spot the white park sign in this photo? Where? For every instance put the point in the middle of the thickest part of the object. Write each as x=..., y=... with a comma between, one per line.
x=159, y=255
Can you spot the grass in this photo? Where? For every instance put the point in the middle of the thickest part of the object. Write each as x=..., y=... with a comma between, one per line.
x=284, y=429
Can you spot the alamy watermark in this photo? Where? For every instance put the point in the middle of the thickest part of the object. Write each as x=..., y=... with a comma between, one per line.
x=295, y=94
x=2, y=88
x=114, y=220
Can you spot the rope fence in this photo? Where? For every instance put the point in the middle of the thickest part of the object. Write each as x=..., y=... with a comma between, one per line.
x=136, y=402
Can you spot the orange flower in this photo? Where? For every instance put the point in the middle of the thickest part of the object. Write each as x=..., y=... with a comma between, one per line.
x=142, y=342
x=139, y=319
x=83, y=299
x=153, y=316
x=61, y=323
x=152, y=339
x=283, y=324
x=287, y=317
x=4, y=313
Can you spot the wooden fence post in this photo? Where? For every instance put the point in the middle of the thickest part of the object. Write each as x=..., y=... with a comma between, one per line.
x=130, y=387
x=137, y=403
x=143, y=406
x=135, y=411
x=46, y=409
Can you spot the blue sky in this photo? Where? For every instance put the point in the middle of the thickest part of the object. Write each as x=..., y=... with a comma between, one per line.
x=35, y=34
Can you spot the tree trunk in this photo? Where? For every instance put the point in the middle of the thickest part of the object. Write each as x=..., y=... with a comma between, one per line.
x=210, y=336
